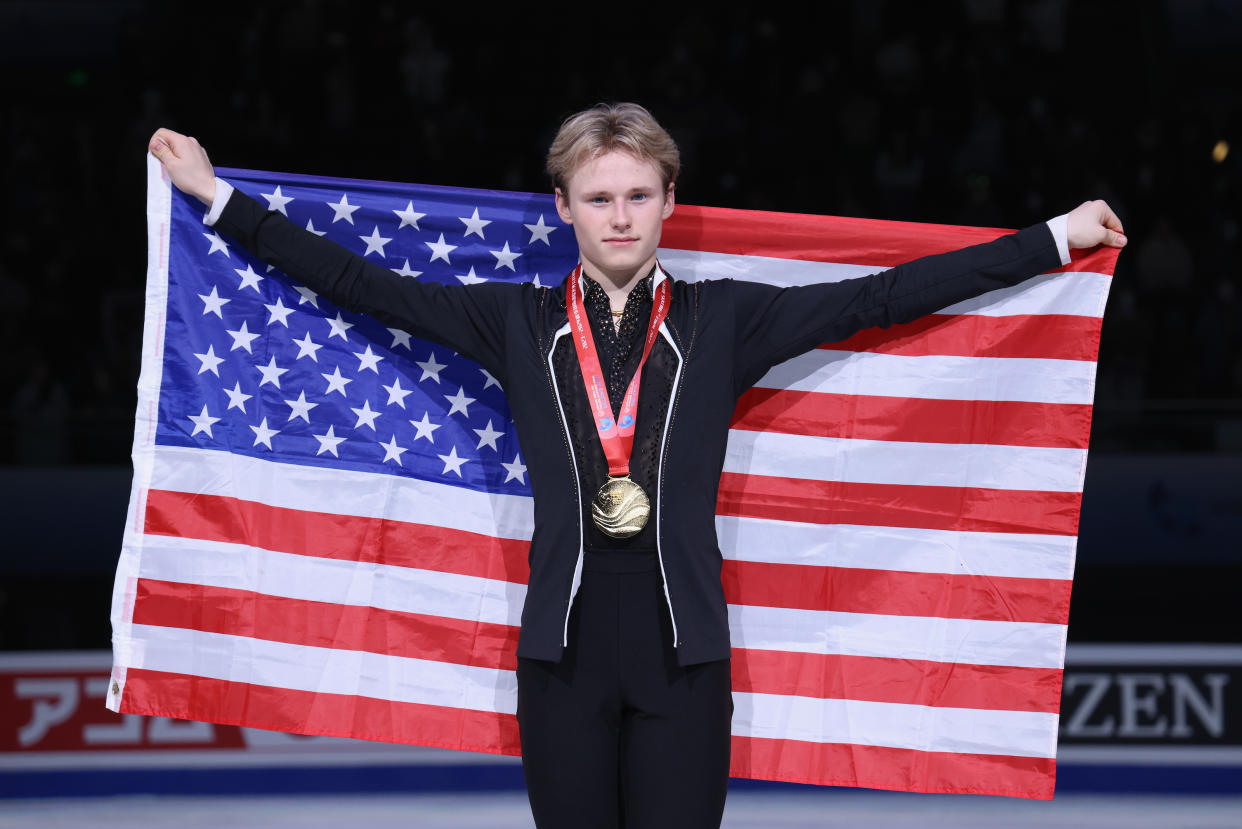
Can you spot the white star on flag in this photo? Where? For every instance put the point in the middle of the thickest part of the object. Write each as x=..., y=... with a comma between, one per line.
x=400, y=338
x=343, y=210
x=475, y=225
x=366, y=416
x=263, y=435
x=271, y=373
x=539, y=231
x=425, y=428
x=406, y=270
x=470, y=278
x=202, y=423
x=505, y=258
x=440, y=250
x=460, y=402
x=209, y=361
x=368, y=360
x=409, y=217
x=337, y=381
x=237, y=398
x=276, y=201
x=300, y=407
x=396, y=394
x=307, y=348
x=516, y=470
x=307, y=295
x=278, y=313
x=375, y=242
x=327, y=442
x=213, y=303
x=339, y=326
x=431, y=368
x=487, y=436
x=452, y=462
x=249, y=279
x=392, y=452
x=218, y=245
x=242, y=338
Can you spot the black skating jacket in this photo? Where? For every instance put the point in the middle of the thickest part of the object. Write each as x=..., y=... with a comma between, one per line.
x=720, y=337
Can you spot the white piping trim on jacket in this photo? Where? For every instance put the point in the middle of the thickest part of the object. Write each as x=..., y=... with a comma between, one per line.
x=569, y=441
x=668, y=422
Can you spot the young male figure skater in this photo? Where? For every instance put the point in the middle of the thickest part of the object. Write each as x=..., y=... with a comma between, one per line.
x=622, y=381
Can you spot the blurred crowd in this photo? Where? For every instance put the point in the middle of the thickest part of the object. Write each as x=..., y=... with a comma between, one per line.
x=973, y=112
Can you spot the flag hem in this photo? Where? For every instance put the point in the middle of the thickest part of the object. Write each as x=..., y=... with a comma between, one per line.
x=159, y=228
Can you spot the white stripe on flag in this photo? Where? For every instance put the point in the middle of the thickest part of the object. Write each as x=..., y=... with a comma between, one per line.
x=894, y=725
x=908, y=463
x=324, y=670
x=938, y=377
x=1076, y=294
x=934, y=639
x=910, y=549
x=341, y=492
x=242, y=567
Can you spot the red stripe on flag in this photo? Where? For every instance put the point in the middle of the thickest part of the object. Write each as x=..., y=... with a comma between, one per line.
x=909, y=681
x=918, y=420
x=162, y=694
x=897, y=505
x=325, y=624
x=836, y=238
x=345, y=537
x=897, y=593
x=903, y=769
x=1044, y=336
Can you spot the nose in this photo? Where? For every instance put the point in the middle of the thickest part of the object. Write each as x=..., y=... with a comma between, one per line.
x=620, y=215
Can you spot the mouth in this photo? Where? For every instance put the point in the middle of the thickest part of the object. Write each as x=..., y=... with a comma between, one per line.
x=620, y=241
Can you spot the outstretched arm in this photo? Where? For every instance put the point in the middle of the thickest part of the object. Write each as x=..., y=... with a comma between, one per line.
x=468, y=319
x=774, y=324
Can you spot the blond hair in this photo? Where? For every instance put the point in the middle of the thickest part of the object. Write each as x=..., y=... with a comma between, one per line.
x=607, y=127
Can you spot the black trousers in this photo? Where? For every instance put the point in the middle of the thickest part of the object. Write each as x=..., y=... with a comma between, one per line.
x=617, y=734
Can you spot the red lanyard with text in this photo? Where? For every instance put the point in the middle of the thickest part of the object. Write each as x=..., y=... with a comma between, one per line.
x=615, y=435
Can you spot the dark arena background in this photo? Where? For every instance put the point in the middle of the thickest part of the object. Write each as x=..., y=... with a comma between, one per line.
x=976, y=112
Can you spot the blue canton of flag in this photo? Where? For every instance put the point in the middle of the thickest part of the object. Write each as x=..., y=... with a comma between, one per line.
x=258, y=365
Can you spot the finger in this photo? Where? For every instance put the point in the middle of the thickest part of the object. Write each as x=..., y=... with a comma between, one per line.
x=1115, y=239
x=1109, y=218
x=165, y=140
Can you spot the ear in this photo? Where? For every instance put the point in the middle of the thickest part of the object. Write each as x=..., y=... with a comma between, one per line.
x=668, y=201
x=562, y=207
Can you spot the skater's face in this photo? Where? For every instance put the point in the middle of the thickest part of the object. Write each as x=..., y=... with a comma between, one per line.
x=617, y=204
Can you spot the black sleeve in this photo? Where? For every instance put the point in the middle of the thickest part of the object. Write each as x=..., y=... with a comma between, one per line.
x=467, y=318
x=773, y=324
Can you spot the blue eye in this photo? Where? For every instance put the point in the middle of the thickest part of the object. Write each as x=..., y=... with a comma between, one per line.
x=640, y=197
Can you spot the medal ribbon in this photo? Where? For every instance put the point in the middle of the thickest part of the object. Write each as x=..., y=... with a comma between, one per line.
x=615, y=435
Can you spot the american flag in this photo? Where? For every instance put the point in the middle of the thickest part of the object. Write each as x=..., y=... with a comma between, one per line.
x=330, y=518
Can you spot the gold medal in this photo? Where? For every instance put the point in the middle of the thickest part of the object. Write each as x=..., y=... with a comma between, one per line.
x=620, y=508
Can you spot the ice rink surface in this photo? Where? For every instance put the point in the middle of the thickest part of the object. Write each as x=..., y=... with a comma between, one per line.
x=745, y=810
